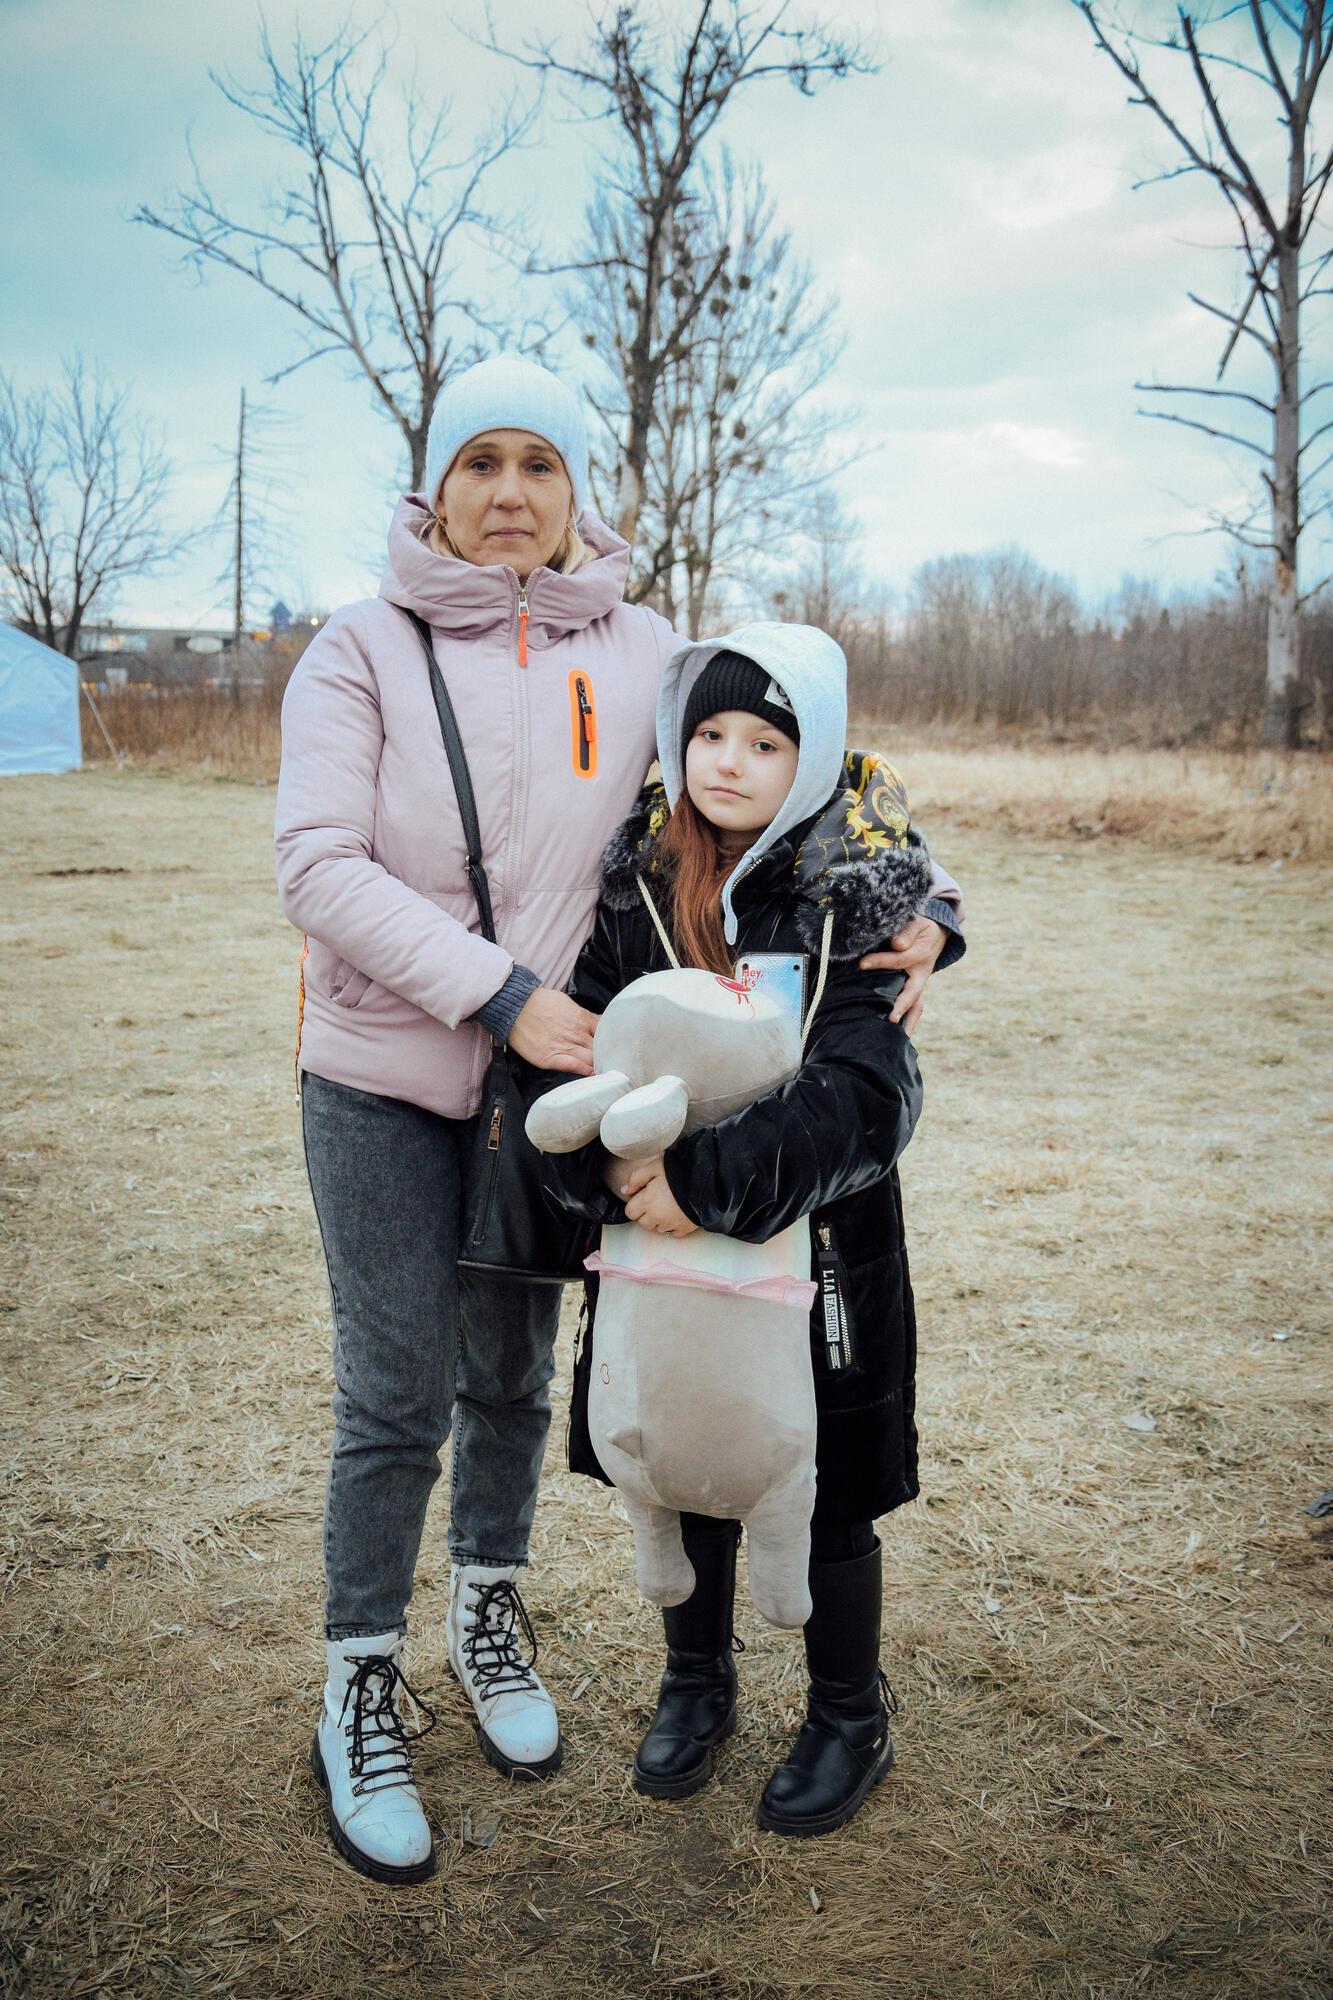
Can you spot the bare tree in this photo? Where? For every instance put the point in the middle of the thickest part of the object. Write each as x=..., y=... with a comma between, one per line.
x=1287, y=54
x=737, y=449
x=827, y=588
x=365, y=240
x=255, y=508
x=83, y=502
x=664, y=92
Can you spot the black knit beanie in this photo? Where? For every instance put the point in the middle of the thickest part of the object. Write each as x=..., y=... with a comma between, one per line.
x=731, y=681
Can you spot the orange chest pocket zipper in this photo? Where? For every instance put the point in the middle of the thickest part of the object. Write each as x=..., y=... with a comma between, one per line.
x=582, y=725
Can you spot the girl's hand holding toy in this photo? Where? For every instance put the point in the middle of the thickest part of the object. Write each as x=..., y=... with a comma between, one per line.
x=649, y=1201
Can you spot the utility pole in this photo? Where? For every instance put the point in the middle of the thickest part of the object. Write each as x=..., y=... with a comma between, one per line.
x=238, y=587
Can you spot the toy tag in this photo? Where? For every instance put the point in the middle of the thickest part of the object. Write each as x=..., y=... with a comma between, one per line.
x=779, y=976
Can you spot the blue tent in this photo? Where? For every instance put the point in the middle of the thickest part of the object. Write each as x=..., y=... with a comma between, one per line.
x=39, y=706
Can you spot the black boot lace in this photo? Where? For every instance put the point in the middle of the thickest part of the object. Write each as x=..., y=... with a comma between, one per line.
x=380, y=1755
x=490, y=1645
x=887, y=1695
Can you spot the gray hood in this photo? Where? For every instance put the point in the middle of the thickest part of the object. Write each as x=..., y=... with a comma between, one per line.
x=810, y=669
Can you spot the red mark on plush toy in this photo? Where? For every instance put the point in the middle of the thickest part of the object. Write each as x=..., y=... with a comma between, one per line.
x=742, y=987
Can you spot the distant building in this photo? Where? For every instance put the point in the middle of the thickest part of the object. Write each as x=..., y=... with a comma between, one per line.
x=183, y=656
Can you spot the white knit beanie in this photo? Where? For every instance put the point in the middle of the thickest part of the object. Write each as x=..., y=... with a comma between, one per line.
x=511, y=394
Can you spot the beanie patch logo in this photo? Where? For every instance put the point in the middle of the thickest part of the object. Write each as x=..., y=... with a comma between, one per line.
x=774, y=694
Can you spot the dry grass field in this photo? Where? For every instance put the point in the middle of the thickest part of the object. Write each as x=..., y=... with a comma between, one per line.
x=1107, y=1620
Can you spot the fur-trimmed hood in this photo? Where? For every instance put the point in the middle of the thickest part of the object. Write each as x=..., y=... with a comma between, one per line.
x=859, y=859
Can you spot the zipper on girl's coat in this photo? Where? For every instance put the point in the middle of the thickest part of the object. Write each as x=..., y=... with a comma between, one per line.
x=522, y=626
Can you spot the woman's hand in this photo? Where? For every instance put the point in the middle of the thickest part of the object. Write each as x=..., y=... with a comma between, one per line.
x=914, y=951
x=554, y=1032
x=649, y=1201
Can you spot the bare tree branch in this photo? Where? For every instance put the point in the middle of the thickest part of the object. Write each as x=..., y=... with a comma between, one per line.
x=366, y=238
x=1271, y=235
x=1208, y=430
x=84, y=502
x=665, y=93
x=1189, y=389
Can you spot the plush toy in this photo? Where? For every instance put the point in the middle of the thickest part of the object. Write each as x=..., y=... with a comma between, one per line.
x=702, y=1396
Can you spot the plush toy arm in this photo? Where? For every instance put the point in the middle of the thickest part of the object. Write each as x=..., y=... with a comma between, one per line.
x=648, y=1120
x=569, y=1116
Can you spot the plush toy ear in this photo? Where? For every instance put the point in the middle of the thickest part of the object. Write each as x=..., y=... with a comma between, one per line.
x=568, y=1116
x=647, y=1120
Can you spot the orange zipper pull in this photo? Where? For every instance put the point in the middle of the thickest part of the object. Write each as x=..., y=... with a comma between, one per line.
x=522, y=626
x=583, y=724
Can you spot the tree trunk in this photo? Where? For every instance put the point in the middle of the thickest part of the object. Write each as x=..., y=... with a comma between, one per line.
x=1281, y=721
x=238, y=579
x=416, y=444
x=629, y=481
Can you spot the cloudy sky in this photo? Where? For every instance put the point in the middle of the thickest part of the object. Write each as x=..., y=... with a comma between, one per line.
x=970, y=206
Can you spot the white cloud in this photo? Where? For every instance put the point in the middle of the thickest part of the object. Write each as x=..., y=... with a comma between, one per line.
x=1036, y=444
x=1049, y=187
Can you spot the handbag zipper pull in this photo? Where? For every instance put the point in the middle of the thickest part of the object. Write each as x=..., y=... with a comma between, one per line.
x=522, y=626
x=493, y=1136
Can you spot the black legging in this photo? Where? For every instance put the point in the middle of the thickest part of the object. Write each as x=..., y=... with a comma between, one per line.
x=830, y=1541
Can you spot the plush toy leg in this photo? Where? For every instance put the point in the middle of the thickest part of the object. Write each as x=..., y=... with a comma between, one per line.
x=662, y=1569
x=778, y=1532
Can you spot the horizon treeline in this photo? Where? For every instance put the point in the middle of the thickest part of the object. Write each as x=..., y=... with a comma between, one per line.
x=994, y=642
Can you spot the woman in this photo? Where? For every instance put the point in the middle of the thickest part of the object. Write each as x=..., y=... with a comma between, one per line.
x=522, y=588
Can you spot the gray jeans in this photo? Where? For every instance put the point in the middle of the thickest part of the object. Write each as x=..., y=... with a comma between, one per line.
x=418, y=1345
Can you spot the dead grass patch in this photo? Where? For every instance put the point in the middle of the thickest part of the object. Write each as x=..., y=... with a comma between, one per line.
x=1241, y=805
x=1110, y=1640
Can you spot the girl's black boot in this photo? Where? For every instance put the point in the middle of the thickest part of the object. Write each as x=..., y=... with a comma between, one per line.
x=696, y=1705
x=844, y=1747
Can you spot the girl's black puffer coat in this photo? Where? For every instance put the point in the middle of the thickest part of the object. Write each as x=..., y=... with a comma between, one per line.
x=824, y=1145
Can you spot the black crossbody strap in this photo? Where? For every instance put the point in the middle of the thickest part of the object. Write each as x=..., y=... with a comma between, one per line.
x=467, y=804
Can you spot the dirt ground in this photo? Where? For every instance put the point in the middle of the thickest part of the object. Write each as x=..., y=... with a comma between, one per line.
x=1106, y=1621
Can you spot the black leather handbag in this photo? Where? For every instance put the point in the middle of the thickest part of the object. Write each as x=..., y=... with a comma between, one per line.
x=507, y=1226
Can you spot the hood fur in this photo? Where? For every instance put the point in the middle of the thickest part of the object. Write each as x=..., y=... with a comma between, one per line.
x=859, y=858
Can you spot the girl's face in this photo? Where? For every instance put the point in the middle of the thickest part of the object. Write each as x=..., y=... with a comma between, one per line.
x=738, y=771
x=507, y=499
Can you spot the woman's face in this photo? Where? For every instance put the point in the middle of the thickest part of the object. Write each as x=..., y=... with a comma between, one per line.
x=507, y=499
x=738, y=771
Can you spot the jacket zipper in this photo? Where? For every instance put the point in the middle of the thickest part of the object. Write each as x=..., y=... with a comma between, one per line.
x=522, y=626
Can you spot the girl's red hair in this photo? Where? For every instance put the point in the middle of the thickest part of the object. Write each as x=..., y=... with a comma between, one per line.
x=698, y=868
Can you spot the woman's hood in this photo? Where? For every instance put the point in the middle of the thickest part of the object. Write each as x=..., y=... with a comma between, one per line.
x=810, y=670
x=858, y=858
x=468, y=599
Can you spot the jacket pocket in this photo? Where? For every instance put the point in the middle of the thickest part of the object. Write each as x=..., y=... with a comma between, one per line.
x=347, y=988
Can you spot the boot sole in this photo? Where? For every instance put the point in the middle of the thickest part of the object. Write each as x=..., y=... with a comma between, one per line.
x=511, y=1769
x=817, y=1823
x=686, y=1783
x=365, y=1864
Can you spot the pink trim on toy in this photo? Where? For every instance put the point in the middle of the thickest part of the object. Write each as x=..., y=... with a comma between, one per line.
x=775, y=1291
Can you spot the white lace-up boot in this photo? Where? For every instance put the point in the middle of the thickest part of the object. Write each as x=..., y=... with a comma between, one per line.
x=516, y=1720
x=361, y=1757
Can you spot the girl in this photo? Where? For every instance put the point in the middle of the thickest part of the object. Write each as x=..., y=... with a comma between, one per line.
x=761, y=830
